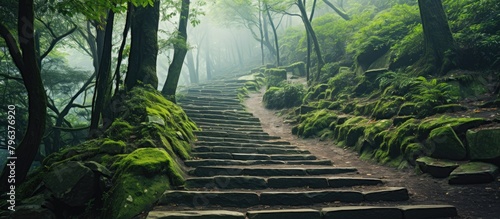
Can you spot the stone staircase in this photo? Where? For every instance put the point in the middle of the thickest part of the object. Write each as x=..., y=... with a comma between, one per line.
x=239, y=171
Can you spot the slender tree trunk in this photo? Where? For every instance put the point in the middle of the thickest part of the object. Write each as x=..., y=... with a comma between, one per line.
x=261, y=36
x=180, y=51
x=122, y=47
x=26, y=62
x=276, y=43
x=339, y=12
x=102, y=91
x=193, y=76
x=439, y=51
x=144, y=46
x=208, y=62
x=311, y=33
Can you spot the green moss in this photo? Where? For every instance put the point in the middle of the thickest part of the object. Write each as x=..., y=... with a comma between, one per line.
x=315, y=122
x=119, y=130
x=141, y=178
x=460, y=125
x=314, y=92
x=386, y=109
x=444, y=143
x=112, y=147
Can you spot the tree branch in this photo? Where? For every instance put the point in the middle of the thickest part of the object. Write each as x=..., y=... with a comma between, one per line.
x=14, y=51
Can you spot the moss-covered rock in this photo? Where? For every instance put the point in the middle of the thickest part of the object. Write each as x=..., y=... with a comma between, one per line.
x=473, y=172
x=140, y=179
x=112, y=147
x=298, y=68
x=435, y=167
x=315, y=122
x=444, y=143
x=386, y=109
x=484, y=143
x=459, y=125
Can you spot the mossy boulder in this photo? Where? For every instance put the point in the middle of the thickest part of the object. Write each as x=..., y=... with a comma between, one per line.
x=298, y=68
x=436, y=167
x=473, y=172
x=484, y=144
x=388, y=108
x=444, y=143
x=112, y=147
x=140, y=179
x=449, y=108
x=314, y=92
x=315, y=122
x=72, y=183
x=459, y=125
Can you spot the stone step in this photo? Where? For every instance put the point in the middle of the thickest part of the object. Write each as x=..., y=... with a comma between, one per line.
x=210, y=98
x=226, y=121
x=224, y=117
x=239, y=144
x=243, y=156
x=343, y=212
x=242, y=140
x=220, y=136
x=191, y=106
x=243, y=199
x=275, y=170
x=250, y=150
x=212, y=133
x=213, y=214
x=212, y=103
x=209, y=91
x=253, y=182
x=221, y=162
x=220, y=112
x=225, y=128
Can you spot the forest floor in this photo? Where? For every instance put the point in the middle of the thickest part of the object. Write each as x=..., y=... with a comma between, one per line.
x=472, y=201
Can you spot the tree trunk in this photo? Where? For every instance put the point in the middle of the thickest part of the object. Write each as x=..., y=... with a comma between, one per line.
x=144, y=46
x=310, y=31
x=339, y=12
x=208, y=62
x=102, y=90
x=193, y=75
x=261, y=37
x=122, y=47
x=439, y=49
x=27, y=64
x=180, y=51
x=276, y=43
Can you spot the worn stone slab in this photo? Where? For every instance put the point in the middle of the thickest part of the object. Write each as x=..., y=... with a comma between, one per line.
x=234, y=149
x=240, y=182
x=243, y=156
x=209, y=198
x=310, y=162
x=243, y=144
x=337, y=182
x=220, y=162
x=362, y=212
x=390, y=194
x=200, y=182
x=293, y=157
x=330, y=170
x=285, y=214
x=212, y=155
x=309, y=197
x=435, y=167
x=290, y=182
x=214, y=171
x=473, y=172
x=195, y=214
x=290, y=171
x=224, y=121
x=281, y=151
x=428, y=211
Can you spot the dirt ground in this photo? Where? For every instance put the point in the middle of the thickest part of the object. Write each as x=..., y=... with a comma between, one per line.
x=472, y=201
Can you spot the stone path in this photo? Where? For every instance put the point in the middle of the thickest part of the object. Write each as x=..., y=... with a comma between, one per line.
x=239, y=171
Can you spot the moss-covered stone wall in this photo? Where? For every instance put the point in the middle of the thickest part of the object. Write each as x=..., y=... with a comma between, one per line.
x=121, y=173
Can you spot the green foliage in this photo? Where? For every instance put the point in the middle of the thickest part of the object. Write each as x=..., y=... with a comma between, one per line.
x=475, y=25
x=286, y=95
x=430, y=93
x=385, y=29
x=315, y=122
